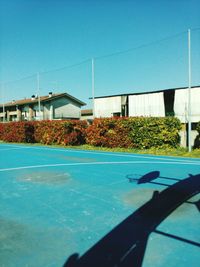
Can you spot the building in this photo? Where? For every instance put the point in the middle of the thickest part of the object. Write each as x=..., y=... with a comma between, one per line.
x=168, y=102
x=87, y=114
x=53, y=106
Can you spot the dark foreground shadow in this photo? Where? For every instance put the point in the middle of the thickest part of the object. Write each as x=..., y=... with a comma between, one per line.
x=125, y=245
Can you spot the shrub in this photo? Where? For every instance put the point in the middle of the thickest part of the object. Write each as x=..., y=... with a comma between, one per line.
x=17, y=132
x=198, y=127
x=108, y=132
x=134, y=132
x=70, y=132
x=155, y=132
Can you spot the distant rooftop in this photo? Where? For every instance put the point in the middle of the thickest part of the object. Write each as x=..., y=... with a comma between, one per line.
x=35, y=98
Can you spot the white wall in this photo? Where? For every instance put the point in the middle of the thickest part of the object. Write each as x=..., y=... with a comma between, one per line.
x=66, y=108
x=105, y=107
x=181, y=104
x=147, y=105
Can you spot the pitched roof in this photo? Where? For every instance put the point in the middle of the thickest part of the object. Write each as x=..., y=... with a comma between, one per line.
x=43, y=99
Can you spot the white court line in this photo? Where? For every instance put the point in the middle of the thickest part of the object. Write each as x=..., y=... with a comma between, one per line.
x=96, y=163
x=117, y=154
x=14, y=148
x=90, y=196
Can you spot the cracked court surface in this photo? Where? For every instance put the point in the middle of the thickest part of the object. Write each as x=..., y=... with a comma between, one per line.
x=55, y=202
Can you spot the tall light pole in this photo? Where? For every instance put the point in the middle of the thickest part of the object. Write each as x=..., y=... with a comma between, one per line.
x=3, y=104
x=189, y=92
x=38, y=90
x=93, y=88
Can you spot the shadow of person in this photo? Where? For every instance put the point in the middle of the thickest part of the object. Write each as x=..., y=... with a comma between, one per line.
x=125, y=245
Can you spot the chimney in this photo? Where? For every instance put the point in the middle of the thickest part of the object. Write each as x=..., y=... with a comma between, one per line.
x=50, y=94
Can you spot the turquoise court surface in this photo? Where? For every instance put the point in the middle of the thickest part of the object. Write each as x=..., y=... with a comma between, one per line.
x=69, y=207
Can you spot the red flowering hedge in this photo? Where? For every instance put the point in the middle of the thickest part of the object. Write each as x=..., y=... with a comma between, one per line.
x=138, y=132
x=135, y=132
x=21, y=132
x=109, y=132
x=70, y=132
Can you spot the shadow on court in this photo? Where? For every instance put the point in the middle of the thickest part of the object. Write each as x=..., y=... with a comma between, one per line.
x=125, y=245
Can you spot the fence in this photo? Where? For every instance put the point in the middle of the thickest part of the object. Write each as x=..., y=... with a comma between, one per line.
x=158, y=65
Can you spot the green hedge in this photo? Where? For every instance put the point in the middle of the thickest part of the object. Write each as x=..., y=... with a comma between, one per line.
x=154, y=132
x=136, y=132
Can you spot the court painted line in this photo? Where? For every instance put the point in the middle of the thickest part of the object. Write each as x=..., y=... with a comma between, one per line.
x=97, y=163
x=14, y=148
x=92, y=197
x=117, y=154
x=62, y=219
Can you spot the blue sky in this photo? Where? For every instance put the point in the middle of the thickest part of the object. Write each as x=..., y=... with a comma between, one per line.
x=44, y=35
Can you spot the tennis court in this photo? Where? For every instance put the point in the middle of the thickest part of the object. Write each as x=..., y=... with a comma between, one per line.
x=55, y=202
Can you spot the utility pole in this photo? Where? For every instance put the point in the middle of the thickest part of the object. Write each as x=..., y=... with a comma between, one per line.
x=38, y=89
x=93, y=88
x=189, y=92
x=3, y=104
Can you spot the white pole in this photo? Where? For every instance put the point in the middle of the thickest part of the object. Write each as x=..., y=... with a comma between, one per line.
x=38, y=89
x=93, y=88
x=189, y=92
x=3, y=103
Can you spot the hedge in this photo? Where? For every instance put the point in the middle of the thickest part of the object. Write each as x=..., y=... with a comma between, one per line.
x=197, y=139
x=135, y=132
x=70, y=132
x=46, y=132
x=198, y=127
x=109, y=132
x=20, y=132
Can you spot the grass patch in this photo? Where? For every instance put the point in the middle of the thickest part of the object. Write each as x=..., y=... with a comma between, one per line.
x=178, y=152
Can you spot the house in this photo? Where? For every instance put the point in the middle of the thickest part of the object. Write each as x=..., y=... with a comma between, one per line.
x=50, y=107
x=161, y=103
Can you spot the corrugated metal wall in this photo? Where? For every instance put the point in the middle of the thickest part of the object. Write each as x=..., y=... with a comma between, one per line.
x=181, y=104
x=105, y=107
x=147, y=105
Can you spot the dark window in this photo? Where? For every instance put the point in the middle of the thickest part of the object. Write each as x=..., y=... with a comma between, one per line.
x=169, y=102
x=116, y=114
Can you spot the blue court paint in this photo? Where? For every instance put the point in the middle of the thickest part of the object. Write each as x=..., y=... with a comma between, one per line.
x=56, y=202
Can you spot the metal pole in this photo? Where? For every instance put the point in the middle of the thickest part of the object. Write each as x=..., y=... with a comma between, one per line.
x=38, y=89
x=3, y=102
x=189, y=92
x=3, y=112
x=93, y=88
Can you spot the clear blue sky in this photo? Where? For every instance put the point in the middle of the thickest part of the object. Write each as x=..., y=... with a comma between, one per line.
x=43, y=35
